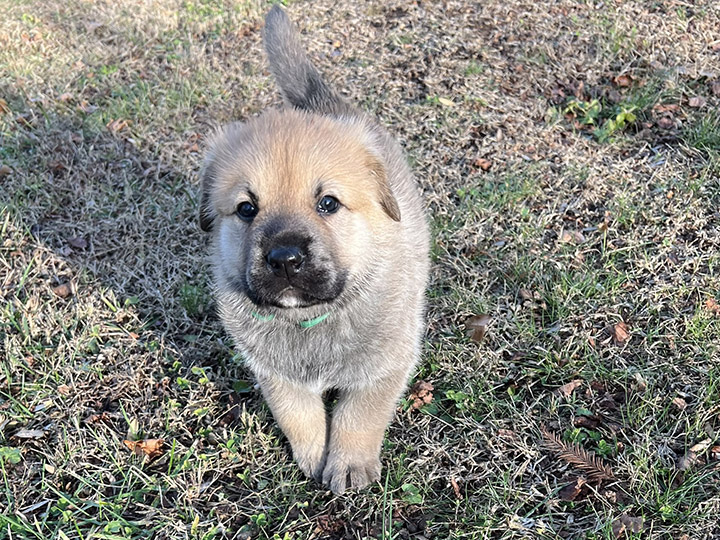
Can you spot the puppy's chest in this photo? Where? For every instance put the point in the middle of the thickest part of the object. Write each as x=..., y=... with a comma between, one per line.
x=327, y=356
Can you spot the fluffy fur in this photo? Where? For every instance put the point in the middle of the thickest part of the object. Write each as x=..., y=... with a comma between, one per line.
x=365, y=265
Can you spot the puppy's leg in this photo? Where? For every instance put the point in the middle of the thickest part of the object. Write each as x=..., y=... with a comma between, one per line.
x=300, y=413
x=356, y=434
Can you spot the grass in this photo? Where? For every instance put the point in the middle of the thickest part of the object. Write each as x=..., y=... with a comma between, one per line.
x=107, y=325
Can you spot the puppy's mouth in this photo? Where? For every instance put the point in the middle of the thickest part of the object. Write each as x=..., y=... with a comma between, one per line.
x=289, y=295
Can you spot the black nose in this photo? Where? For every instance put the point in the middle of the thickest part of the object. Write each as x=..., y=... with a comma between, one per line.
x=285, y=261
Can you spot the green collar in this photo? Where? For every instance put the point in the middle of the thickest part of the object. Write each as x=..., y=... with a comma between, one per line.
x=302, y=324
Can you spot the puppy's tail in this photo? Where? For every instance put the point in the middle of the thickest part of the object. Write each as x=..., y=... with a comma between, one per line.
x=301, y=84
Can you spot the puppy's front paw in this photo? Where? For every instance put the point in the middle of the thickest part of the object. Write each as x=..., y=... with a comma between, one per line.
x=311, y=459
x=349, y=470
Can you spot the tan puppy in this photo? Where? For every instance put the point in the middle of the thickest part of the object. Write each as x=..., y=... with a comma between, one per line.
x=320, y=251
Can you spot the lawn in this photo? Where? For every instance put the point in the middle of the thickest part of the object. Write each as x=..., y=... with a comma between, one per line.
x=569, y=153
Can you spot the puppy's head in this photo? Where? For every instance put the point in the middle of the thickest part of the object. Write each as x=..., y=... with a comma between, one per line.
x=297, y=202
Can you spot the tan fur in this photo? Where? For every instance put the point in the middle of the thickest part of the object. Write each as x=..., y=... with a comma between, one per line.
x=370, y=258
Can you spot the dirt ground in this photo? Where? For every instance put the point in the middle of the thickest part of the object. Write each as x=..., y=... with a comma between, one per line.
x=569, y=153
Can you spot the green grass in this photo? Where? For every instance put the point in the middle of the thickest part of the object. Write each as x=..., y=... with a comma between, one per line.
x=576, y=227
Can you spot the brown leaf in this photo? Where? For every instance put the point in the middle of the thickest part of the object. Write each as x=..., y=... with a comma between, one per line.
x=87, y=108
x=587, y=422
x=661, y=108
x=63, y=390
x=78, y=242
x=575, y=237
x=63, y=290
x=95, y=418
x=4, y=106
x=150, y=448
x=701, y=446
x=621, y=333
x=117, y=125
x=666, y=122
x=680, y=403
x=5, y=171
x=65, y=97
x=627, y=523
x=456, y=488
x=476, y=327
x=597, y=470
x=712, y=306
x=483, y=164
x=697, y=101
x=623, y=81
x=687, y=461
x=571, y=491
x=567, y=389
x=421, y=394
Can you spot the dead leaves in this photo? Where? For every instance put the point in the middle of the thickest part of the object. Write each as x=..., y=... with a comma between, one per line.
x=567, y=389
x=63, y=290
x=150, y=449
x=595, y=468
x=712, y=306
x=421, y=394
x=620, y=333
x=571, y=491
x=627, y=524
x=476, y=327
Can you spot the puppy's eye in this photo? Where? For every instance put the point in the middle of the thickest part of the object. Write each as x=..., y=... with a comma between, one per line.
x=328, y=205
x=246, y=211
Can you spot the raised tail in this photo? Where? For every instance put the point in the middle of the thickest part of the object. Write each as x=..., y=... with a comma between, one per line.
x=301, y=84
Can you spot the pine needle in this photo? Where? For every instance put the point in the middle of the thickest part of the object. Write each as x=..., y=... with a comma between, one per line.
x=595, y=468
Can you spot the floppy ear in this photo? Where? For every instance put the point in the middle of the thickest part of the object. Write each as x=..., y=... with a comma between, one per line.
x=207, y=179
x=388, y=202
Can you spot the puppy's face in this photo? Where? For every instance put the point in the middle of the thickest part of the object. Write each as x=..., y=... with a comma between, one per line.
x=298, y=202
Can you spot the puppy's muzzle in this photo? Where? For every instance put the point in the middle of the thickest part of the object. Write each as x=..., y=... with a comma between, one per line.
x=285, y=261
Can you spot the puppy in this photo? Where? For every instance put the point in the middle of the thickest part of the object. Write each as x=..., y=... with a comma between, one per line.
x=320, y=260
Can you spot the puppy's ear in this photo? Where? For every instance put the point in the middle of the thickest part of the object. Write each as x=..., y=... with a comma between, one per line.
x=388, y=202
x=207, y=181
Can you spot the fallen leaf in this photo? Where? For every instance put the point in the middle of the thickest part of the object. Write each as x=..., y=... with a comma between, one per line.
x=29, y=434
x=476, y=327
x=63, y=390
x=483, y=164
x=627, y=523
x=116, y=125
x=687, y=461
x=5, y=171
x=95, y=418
x=712, y=306
x=666, y=122
x=63, y=290
x=661, y=108
x=421, y=394
x=456, y=488
x=621, y=333
x=571, y=491
x=701, y=446
x=78, y=242
x=86, y=107
x=587, y=422
x=65, y=97
x=4, y=106
x=567, y=389
x=697, y=101
x=680, y=403
x=447, y=102
x=623, y=80
x=575, y=237
x=150, y=448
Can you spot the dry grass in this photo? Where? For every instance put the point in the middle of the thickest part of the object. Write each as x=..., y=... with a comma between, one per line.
x=566, y=235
